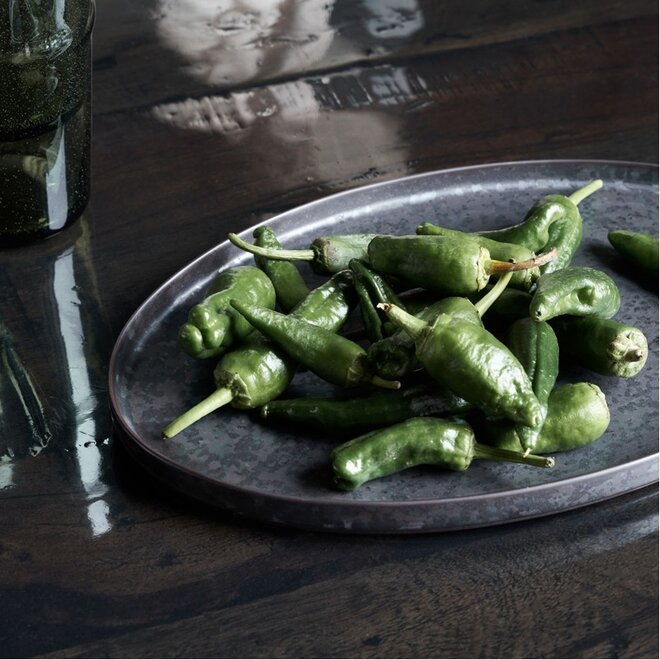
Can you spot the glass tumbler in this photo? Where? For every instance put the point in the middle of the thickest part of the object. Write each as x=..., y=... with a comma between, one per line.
x=45, y=98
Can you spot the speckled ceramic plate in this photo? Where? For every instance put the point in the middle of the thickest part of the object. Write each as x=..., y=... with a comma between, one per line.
x=233, y=460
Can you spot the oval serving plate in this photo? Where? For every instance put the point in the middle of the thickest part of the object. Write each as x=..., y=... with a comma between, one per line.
x=281, y=474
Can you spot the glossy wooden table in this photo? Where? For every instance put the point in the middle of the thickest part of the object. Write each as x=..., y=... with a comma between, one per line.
x=206, y=122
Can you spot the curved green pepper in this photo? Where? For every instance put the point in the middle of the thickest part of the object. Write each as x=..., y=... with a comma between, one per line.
x=575, y=291
x=290, y=287
x=213, y=324
x=367, y=412
x=534, y=232
x=534, y=343
x=577, y=415
x=605, y=346
x=469, y=361
x=417, y=441
x=639, y=248
x=326, y=254
x=257, y=371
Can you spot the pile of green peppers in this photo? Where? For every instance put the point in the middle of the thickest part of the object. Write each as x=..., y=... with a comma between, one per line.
x=462, y=337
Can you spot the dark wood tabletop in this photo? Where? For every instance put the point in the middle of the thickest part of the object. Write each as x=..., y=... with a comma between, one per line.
x=208, y=117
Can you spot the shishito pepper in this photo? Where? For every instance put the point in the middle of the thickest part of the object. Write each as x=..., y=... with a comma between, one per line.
x=448, y=265
x=639, y=248
x=534, y=232
x=417, y=441
x=376, y=410
x=578, y=415
x=394, y=356
x=522, y=279
x=213, y=324
x=469, y=361
x=290, y=287
x=535, y=345
x=605, y=346
x=326, y=254
x=575, y=291
x=257, y=371
x=330, y=356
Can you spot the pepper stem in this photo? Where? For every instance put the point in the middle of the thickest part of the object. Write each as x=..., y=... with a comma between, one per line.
x=494, y=454
x=483, y=304
x=411, y=324
x=387, y=384
x=585, y=191
x=219, y=398
x=495, y=266
x=277, y=254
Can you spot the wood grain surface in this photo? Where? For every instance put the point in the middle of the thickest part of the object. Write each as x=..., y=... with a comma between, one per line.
x=205, y=122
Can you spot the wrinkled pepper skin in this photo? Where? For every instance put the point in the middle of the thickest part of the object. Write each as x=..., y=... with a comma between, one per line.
x=213, y=324
x=575, y=291
x=604, y=346
x=535, y=345
x=417, y=441
x=564, y=234
x=470, y=362
x=449, y=444
x=578, y=415
x=367, y=412
x=639, y=248
x=522, y=279
x=449, y=266
x=394, y=357
x=533, y=231
x=290, y=287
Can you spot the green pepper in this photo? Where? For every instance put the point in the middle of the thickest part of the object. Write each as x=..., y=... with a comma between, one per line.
x=213, y=324
x=257, y=371
x=522, y=279
x=534, y=231
x=332, y=357
x=417, y=441
x=470, y=362
x=638, y=248
x=535, y=345
x=447, y=265
x=327, y=254
x=290, y=287
x=575, y=291
x=577, y=415
x=367, y=412
x=393, y=357
x=605, y=346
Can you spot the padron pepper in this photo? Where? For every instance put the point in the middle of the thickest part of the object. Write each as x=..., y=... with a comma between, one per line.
x=417, y=441
x=605, y=346
x=394, y=356
x=290, y=287
x=376, y=410
x=213, y=324
x=448, y=265
x=258, y=371
x=469, y=361
x=522, y=279
x=534, y=232
x=326, y=254
x=535, y=345
x=578, y=415
x=576, y=291
x=639, y=248
x=332, y=357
